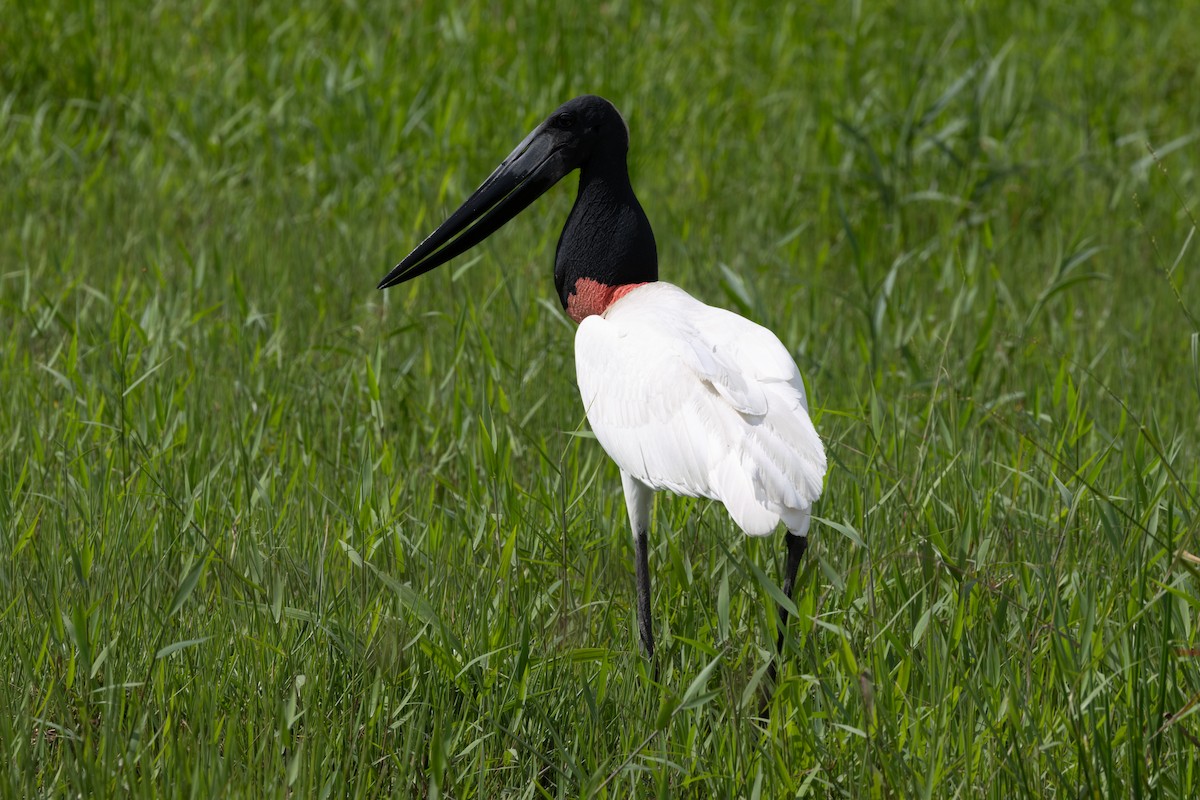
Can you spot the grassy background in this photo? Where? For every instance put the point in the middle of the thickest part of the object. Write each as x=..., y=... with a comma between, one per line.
x=270, y=532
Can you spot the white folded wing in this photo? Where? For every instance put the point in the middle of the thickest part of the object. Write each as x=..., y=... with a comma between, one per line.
x=700, y=401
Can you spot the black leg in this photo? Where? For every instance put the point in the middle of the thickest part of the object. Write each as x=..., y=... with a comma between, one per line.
x=796, y=545
x=638, y=498
x=643, y=592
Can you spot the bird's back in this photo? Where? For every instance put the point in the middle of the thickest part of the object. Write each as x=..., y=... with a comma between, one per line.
x=700, y=401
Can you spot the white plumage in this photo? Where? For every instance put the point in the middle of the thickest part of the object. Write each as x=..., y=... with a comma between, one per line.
x=702, y=402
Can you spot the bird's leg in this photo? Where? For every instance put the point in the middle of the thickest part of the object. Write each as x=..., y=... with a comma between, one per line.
x=641, y=545
x=637, y=500
x=796, y=545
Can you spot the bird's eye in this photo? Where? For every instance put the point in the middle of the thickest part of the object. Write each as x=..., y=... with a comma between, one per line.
x=565, y=120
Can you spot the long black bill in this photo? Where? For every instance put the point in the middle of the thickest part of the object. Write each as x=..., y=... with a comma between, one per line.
x=532, y=168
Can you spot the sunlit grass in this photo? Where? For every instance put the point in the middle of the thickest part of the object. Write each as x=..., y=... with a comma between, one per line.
x=272, y=532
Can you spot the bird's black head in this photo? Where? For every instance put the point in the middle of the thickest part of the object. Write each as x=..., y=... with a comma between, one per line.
x=584, y=124
x=585, y=133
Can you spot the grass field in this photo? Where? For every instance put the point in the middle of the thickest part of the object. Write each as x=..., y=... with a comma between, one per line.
x=270, y=532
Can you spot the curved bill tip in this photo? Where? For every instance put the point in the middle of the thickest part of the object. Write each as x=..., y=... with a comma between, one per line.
x=391, y=279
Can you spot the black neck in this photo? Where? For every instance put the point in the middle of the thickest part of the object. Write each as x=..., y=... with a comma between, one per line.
x=607, y=237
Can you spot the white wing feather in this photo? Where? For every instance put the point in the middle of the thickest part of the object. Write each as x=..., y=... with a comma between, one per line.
x=701, y=402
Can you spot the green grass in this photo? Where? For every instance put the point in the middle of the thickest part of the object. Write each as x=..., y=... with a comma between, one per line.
x=269, y=532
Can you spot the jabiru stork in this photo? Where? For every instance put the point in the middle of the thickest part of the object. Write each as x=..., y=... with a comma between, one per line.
x=681, y=395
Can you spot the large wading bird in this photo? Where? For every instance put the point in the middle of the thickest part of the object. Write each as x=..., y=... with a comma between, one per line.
x=683, y=396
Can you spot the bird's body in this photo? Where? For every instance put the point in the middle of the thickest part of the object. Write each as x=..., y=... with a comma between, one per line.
x=701, y=402
x=684, y=397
